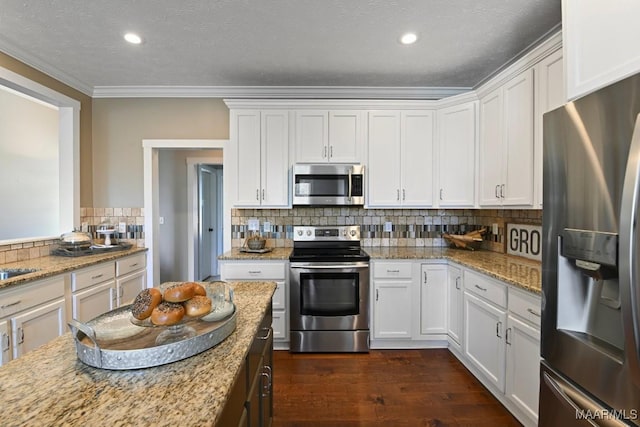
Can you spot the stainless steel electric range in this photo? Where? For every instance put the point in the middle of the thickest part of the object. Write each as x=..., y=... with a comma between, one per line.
x=329, y=282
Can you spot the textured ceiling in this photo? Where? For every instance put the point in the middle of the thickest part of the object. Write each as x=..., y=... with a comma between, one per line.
x=273, y=42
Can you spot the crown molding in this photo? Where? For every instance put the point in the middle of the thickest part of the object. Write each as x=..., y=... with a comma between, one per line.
x=42, y=66
x=278, y=92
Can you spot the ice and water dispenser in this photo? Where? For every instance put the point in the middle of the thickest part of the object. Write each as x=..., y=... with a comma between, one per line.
x=588, y=288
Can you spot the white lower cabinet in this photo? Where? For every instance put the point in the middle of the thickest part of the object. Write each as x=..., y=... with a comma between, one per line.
x=90, y=303
x=275, y=271
x=523, y=353
x=433, y=299
x=392, y=300
x=31, y=316
x=484, y=344
x=455, y=306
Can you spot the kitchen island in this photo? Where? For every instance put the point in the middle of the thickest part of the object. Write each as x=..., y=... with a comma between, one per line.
x=50, y=386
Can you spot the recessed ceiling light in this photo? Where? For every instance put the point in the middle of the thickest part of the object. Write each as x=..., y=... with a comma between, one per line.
x=408, y=38
x=133, y=38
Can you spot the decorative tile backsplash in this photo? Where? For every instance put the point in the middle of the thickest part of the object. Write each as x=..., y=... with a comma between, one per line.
x=410, y=227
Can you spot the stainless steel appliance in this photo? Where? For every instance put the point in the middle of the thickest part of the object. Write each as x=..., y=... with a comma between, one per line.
x=328, y=184
x=590, y=370
x=329, y=297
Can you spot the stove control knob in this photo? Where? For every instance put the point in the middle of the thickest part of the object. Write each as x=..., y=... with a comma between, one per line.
x=353, y=233
x=308, y=232
x=299, y=232
x=344, y=233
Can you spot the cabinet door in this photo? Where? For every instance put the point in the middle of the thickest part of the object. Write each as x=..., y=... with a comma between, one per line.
x=345, y=136
x=454, y=295
x=129, y=286
x=484, y=343
x=275, y=158
x=92, y=302
x=601, y=43
x=417, y=158
x=491, y=149
x=523, y=366
x=5, y=342
x=383, y=173
x=392, y=313
x=245, y=134
x=36, y=327
x=457, y=154
x=550, y=94
x=433, y=299
x=518, y=143
x=312, y=136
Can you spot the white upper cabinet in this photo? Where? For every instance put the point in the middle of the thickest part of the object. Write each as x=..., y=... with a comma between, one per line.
x=334, y=136
x=506, y=144
x=600, y=43
x=550, y=94
x=456, y=154
x=400, y=163
x=261, y=143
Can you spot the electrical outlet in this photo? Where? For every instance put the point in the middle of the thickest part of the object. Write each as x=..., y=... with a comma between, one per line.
x=122, y=227
x=84, y=227
x=266, y=227
x=161, y=220
x=253, y=225
x=388, y=226
x=494, y=229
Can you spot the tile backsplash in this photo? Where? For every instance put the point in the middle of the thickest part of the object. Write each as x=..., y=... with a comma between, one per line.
x=133, y=217
x=411, y=227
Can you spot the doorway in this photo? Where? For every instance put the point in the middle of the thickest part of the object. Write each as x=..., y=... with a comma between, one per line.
x=209, y=221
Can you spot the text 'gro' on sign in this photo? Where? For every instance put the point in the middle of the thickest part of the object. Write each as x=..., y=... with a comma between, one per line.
x=525, y=240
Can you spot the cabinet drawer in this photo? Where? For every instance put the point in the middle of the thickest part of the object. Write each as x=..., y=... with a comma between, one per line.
x=87, y=277
x=28, y=296
x=129, y=264
x=254, y=271
x=279, y=325
x=386, y=270
x=486, y=288
x=525, y=306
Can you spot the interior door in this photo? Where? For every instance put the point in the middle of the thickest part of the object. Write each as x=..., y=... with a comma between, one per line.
x=208, y=260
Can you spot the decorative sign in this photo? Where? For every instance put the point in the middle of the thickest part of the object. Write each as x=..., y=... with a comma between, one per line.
x=525, y=240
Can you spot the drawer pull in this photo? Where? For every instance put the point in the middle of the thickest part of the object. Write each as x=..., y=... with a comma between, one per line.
x=458, y=283
x=535, y=313
x=97, y=277
x=481, y=288
x=133, y=265
x=499, y=329
x=394, y=271
x=6, y=342
x=425, y=277
x=506, y=336
x=11, y=304
x=266, y=337
x=266, y=373
x=20, y=334
x=255, y=271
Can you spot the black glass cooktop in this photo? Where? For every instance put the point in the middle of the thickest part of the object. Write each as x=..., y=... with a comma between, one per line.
x=328, y=254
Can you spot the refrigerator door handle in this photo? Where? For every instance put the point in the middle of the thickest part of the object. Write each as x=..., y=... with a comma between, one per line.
x=629, y=256
x=578, y=403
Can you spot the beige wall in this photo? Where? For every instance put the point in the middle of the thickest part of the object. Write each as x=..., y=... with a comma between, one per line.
x=85, y=118
x=120, y=125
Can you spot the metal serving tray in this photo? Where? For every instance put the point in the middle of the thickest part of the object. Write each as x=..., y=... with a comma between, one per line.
x=111, y=341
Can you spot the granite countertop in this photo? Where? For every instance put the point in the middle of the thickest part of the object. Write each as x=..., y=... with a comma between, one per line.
x=50, y=386
x=52, y=265
x=276, y=254
x=521, y=272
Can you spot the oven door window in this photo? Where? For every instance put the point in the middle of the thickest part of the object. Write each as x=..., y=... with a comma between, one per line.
x=329, y=294
x=322, y=185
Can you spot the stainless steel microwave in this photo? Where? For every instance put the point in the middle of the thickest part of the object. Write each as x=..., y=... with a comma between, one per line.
x=328, y=185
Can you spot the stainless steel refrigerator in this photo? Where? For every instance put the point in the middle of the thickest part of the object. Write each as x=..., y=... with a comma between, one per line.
x=590, y=370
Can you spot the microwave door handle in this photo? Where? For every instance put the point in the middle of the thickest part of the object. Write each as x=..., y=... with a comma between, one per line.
x=628, y=256
x=349, y=195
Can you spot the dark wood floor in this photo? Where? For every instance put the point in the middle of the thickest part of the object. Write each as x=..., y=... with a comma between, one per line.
x=382, y=388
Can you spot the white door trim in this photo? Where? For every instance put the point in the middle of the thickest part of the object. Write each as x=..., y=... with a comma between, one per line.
x=193, y=208
x=151, y=198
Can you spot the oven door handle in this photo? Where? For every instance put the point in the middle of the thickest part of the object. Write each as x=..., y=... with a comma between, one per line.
x=329, y=266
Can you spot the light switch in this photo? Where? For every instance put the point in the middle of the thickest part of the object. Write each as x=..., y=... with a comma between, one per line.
x=494, y=229
x=388, y=226
x=122, y=227
x=266, y=227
